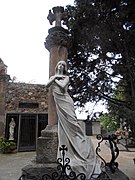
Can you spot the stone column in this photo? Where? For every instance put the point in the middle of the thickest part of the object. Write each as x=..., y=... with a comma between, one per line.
x=4, y=78
x=57, y=43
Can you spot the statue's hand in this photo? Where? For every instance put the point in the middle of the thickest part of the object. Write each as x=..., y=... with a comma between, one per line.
x=58, y=77
x=52, y=78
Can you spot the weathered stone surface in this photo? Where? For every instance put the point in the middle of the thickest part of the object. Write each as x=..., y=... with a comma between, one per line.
x=3, y=85
x=1, y=127
x=118, y=175
x=57, y=15
x=3, y=68
x=58, y=36
x=50, y=131
x=57, y=42
x=26, y=93
x=39, y=170
x=4, y=78
x=96, y=129
x=47, y=145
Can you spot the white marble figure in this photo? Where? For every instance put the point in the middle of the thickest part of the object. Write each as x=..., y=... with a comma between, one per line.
x=11, y=129
x=70, y=133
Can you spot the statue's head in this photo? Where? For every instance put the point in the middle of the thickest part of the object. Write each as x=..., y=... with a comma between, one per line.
x=61, y=62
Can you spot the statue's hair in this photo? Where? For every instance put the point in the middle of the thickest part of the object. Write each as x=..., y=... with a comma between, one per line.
x=65, y=66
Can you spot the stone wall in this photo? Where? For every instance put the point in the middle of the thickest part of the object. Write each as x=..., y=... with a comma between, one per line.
x=25, y=93
x=96, y=129
x=3, y=85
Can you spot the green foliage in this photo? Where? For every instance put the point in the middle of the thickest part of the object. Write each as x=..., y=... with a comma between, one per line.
x=7, y=146
x=108, y=122
x=102, y=57
x=102, y=51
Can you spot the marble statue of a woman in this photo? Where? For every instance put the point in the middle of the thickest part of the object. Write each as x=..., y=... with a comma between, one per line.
x=70, y=133
x=11, y=129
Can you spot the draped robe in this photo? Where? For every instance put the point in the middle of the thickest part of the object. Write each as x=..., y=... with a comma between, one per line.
x=70, y=133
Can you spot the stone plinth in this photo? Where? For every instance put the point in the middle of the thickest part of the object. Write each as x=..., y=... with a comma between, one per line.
x=47, y=145
x=118, y=175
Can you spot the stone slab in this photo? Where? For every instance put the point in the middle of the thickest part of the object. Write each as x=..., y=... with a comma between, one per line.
x=36, y=171
x=118, y=175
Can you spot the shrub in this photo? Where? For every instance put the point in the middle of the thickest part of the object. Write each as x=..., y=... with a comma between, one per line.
x=6, y=145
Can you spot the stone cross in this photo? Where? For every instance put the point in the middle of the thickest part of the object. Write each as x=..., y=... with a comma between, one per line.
x=58, y=15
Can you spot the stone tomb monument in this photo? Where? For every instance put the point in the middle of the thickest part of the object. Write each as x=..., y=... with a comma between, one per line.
x=69, y=132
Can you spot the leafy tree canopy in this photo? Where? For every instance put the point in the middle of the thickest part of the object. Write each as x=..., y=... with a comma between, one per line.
x=102, y=56
x=102, y=51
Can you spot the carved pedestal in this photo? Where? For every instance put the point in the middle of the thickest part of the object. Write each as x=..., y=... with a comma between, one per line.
x=47, y=145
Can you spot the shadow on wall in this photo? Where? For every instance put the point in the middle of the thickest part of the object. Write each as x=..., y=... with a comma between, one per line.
x=1, y=128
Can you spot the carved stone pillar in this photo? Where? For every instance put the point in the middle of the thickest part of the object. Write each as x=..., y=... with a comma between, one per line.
x=57, y=43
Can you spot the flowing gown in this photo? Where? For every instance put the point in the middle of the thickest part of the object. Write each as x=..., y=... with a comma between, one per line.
x=70, y=133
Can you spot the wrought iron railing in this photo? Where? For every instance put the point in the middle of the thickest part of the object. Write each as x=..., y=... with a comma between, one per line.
x=111, y=139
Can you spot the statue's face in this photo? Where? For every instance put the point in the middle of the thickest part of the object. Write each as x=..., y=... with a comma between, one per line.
x=61, y=66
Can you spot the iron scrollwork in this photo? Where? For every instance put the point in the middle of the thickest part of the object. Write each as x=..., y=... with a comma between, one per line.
x=64, y=169
x=114, y=151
